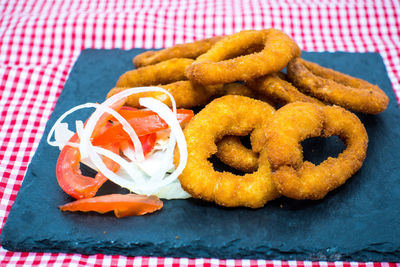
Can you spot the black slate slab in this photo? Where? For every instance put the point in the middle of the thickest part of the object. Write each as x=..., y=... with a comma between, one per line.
x=359, y=221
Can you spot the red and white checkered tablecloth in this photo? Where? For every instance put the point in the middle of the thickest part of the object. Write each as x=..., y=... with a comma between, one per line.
x=40, y=40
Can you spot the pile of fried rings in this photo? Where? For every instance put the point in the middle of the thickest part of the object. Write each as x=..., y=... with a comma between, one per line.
x=238, y=82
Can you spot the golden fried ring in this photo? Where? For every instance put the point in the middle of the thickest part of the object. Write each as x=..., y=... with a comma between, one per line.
x=227, y=115
x=280, y=91
x=223, y=63
x=162, y=73
x=243, y=90
x=234, y=154
x=185, y=93
x=170, y=76
x=231, y=151
x=188, y=50
x=298, y=121
x=277, y=90
x=238, y=89
x=337, y=88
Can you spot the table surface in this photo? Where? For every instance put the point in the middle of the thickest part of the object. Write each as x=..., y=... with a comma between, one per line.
x=40, y=41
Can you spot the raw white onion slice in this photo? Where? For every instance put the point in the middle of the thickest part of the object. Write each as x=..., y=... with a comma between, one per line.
x=62, y=135
x=172, y=191
x=85, y=131
x=170, y=118
x=56, y=125
x=87, y=150
x=101, y=167
x=86, y=145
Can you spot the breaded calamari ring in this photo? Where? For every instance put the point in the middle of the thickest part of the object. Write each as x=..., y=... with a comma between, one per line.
x=337, y=88
x=225, y=62
x=162, y=73
x=231, y=151
x=279, y=90
x=234, y=154
x=238, y=89
x=188, y=50
x=170, y=76
x=298, y=121
x=227, y=115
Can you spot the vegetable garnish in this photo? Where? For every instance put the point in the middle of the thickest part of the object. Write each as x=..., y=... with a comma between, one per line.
x=69, y=176
x=122, y=205
x=120, y=143
x=142, y=121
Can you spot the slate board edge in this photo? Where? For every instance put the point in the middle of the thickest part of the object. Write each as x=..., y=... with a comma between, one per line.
x=168, y=250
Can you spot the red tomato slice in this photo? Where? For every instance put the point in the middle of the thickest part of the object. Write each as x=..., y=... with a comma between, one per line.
x=148, y=141
x=142, y=121
x=68, y=171
x=122, y=205
x=105, y=117
x=69, y=175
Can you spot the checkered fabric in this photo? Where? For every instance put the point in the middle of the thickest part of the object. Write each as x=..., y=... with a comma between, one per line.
x=40, y=40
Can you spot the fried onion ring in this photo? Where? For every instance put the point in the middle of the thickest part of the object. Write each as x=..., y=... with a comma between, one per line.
x=298, y=121
x=170, y=76
x=231, y=151
x=165, y=72
x=238, y=89
x=234, y=154
x=225, y=62
x=279, y=90
x=187, y=50
x=272, y=88
x=227, y=115
x=337, y=88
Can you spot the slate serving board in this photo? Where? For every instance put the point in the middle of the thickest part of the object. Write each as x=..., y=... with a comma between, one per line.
x=357, y=222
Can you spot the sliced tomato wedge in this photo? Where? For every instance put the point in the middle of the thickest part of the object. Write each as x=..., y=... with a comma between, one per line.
x=122, y=204
x=68, y=171
x=69, y=175
x=142, y=121
x=103, y=122
x=148, y=141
